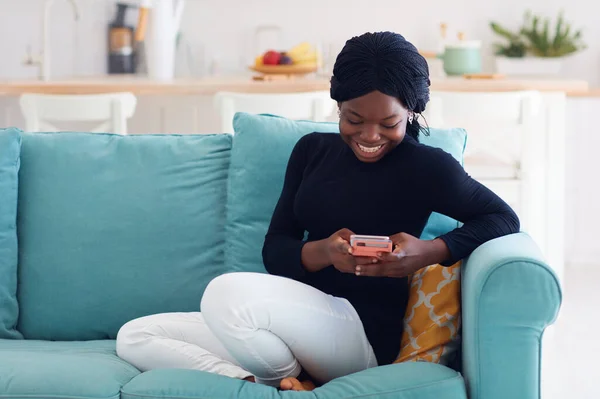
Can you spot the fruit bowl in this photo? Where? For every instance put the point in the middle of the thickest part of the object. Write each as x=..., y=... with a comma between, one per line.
x=302, y=69
x=299, y=60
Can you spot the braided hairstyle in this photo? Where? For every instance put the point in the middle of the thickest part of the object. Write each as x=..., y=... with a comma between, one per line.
x=386, y=62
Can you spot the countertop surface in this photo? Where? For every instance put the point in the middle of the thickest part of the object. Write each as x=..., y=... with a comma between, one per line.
x=245, y=84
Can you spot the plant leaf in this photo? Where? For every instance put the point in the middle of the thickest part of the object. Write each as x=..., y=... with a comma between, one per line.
x=545, y=41
x=503, y=32
x=535, y=37
x=558, y=35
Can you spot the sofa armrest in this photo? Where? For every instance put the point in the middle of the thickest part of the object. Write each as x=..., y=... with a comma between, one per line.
x=509, y=296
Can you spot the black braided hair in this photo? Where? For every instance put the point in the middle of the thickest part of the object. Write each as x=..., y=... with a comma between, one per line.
x=386, y=62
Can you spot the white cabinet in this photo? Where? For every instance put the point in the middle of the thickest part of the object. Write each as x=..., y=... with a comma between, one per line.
x=516, y=147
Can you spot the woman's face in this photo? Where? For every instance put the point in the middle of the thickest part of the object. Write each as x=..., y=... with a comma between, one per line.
x=373, y=125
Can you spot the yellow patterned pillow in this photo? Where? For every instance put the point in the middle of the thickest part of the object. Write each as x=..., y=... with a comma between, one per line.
x=432, y=320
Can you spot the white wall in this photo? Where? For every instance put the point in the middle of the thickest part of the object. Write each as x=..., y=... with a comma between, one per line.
x=224, y=29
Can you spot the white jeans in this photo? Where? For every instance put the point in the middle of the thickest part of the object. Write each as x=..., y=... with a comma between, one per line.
x=256, y=325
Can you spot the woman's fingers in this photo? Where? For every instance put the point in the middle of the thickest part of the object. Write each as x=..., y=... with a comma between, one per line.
x=394, y=256
x=344, y=241
x=348, y=263
x=345, y=234
x=365, y=260
x=389, y=257
x=372, y=270
x=385, y=264
x=382, y=270
x=399, y=250
x=343, y=246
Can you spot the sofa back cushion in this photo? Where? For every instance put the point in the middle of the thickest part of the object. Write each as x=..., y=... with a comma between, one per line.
x=116, y=227
x=262, y=145
x=10, y=145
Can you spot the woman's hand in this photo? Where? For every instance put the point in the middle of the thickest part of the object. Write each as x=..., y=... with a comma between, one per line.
x=339, y=253
x=410, y=254
x=334, y=250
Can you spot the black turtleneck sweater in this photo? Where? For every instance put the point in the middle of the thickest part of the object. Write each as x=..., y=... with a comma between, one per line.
x=327, y=188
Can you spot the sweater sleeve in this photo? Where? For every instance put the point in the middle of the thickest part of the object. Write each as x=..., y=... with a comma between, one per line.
x=282, y=249
x=452, y=192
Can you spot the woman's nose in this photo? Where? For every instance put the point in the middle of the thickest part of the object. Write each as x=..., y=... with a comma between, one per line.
x=370, y=134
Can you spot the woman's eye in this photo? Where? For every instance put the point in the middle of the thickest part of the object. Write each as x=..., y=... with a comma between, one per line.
x=391, y=126
x=350, y=121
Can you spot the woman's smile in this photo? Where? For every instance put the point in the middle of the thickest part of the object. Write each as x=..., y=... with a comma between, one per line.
x=369, y=151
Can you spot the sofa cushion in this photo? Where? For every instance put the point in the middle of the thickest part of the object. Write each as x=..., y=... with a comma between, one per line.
x=400, y=381
x=453, y=141
x=42, y=369
x=116, y=227
x=261, y=148
x=432, y=319
x=10, y=148
x=192, y=384
x=414, y=380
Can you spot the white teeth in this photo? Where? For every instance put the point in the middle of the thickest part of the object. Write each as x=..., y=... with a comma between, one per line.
x=369, y=149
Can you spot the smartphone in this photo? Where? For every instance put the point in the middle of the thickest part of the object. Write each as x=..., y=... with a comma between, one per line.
x=370, y=245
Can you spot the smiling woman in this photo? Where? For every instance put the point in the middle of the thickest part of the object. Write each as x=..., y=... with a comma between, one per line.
x=377, y=129
x=321, y=309
x=380, y=94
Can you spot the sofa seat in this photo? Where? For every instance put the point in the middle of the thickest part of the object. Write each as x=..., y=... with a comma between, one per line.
x=398, y=381
x=44, y=369
x=77, y=370
x=74, y=370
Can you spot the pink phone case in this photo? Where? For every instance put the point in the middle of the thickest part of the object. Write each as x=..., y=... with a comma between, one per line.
x=370, y=245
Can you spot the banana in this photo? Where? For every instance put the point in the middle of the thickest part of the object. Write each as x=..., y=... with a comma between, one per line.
x=308, y=57
x=303, y=53
x=300, y=49
x=311, y=58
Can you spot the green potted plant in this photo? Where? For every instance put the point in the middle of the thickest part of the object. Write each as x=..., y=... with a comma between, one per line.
x=536, y=48
x=514, y=47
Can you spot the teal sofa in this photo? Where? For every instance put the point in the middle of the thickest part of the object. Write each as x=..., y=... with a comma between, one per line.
x=98, y=229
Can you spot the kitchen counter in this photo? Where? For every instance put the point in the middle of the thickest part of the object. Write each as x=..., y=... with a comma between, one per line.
x=209, y=86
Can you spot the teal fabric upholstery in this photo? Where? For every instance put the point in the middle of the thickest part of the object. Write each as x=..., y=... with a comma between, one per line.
x=10, y=148
x=509, y=296
x=37, y=369
x=188, y=384
x=261, y=147
x=398, y=381
x=116, y=227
